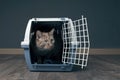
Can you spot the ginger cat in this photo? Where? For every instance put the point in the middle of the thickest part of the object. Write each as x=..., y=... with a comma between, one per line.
x=46, y=47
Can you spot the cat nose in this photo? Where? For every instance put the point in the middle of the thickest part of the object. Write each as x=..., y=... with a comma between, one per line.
x=46, y=40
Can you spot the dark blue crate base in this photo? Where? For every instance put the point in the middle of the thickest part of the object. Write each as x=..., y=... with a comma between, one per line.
x=50, y=67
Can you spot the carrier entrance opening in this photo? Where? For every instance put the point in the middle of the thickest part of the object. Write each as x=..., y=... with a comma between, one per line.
x=50, y=34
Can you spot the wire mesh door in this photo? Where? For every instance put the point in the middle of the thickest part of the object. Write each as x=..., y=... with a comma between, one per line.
x=76, y=42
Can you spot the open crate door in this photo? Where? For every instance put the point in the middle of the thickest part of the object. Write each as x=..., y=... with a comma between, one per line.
x=75, y=42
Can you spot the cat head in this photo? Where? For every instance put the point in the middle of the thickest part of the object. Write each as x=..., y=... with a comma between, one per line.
x=45, y=40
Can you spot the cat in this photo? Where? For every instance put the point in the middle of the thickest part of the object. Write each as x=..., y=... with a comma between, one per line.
x=47, y=46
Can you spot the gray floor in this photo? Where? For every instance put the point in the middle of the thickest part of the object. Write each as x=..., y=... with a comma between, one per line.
x=100, y=67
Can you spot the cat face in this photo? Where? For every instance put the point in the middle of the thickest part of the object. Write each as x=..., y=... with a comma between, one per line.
x=45, y=40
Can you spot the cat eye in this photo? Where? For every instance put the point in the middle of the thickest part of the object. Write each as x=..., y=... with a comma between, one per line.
x=52, y=40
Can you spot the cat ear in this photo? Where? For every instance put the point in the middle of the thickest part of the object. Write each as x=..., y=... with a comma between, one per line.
x=52, y=31
x=38, y=34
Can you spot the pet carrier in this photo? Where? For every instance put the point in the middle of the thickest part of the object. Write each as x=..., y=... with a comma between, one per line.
x=71, y=44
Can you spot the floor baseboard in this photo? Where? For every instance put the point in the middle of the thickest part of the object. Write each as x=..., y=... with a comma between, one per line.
x=93, y=51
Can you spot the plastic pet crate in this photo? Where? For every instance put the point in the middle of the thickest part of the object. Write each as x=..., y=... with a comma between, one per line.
x=73, y=36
